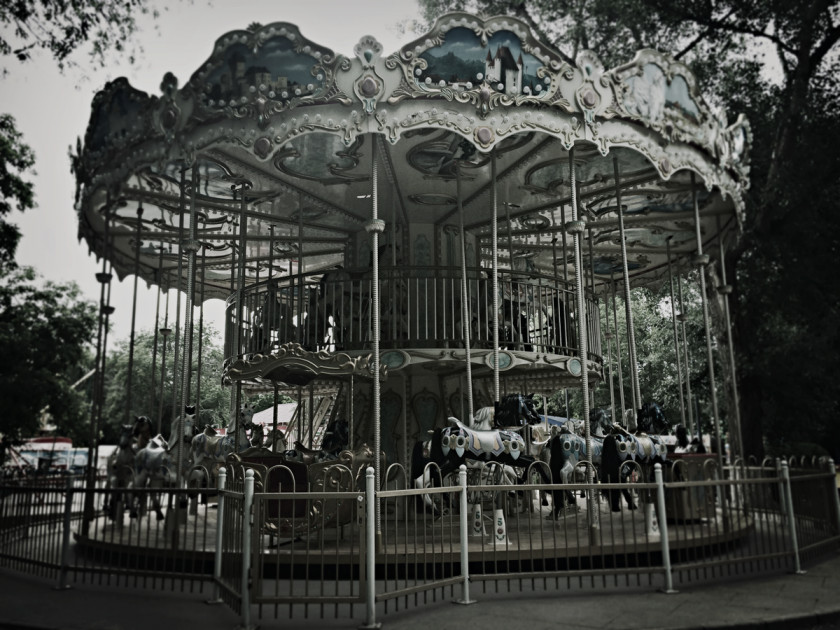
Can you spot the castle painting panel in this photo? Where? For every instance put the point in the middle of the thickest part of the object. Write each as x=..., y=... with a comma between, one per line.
x=462, y=61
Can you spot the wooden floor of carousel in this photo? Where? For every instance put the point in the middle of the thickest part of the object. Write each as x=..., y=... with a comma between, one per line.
x=415, y=543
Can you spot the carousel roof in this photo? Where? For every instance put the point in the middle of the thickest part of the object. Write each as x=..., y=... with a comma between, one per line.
x=293, y=126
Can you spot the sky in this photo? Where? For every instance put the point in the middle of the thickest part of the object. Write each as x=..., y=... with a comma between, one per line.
x=52, y=110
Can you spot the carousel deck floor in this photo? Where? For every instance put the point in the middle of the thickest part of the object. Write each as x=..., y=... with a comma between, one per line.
x=617, y=538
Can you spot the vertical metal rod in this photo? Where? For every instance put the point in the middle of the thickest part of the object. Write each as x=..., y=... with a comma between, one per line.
x=191, y=246
x=631, y=335
x=466, y=318
x=200, y=335
x=674, y=322
x=495, y=231
x=618, y=349
x=101, y=395
x=274, y=420
x=791, y=518
x=220, y=521
x=247, y=517
x=271, y=299
x=240, y=301
x=701, y=261
x=103, y=278
x=133, y=336
x=165, y=333
x=311, y=429
x=609, y=337
x=835, y=495
x=370, y=549
x=176, y=354
x=555, y=303
x=725, y=289
x=65, y=535
x=350, y=394
x=576, y=227
x=152, y=381
x=663, y=528
x=464, y=535
x=376, y=227
x=683, y=319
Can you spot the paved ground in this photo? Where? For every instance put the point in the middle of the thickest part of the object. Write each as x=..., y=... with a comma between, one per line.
x=785, y=601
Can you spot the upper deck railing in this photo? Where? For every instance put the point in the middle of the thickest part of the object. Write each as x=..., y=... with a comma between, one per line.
x=420, y=307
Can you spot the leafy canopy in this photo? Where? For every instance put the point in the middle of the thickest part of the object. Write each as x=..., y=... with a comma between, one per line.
x=45, y=332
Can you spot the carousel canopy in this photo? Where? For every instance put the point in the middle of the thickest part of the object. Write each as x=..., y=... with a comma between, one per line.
x=477, y=113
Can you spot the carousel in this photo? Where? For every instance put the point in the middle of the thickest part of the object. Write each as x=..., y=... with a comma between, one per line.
x=403, y=237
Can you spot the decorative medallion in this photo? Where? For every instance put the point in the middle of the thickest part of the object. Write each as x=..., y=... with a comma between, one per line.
x=394, y=359
x=505, y=360
x=574, y=367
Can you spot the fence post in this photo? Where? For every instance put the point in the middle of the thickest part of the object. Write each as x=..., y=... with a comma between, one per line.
x=465, y=552
x=370, y=550
x=246, y=548
x=835, y=493
x=217, y=557
x=791, y=517
x=65, y=537
x=663, y=529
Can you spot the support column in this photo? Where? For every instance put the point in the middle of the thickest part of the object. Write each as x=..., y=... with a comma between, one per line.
x=132, y=337
x=375, y=227
x=576, y=228
x=495, y=235
x=631, y=336
x=725, y=289
x=682, y=318
x=190, y=245
x=674, y=322
x=701, y=260
x=466, y=318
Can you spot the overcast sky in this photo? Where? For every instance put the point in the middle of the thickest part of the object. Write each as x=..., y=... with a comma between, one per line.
x=52, y=110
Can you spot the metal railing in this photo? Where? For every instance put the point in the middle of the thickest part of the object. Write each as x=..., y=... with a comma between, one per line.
x=421, y=308
x=273, y=548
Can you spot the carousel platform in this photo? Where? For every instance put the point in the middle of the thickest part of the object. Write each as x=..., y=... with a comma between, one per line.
x=419, y=544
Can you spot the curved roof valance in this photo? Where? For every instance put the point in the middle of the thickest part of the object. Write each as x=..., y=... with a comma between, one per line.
x=298, y=122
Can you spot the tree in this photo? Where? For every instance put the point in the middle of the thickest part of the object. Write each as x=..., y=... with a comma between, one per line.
x=16, y=158
x=45, y=332
x=214, y=406
x=59, y=27
x=785, y=294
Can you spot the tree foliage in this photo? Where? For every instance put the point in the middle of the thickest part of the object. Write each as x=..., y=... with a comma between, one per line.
x=214, y=406
x=60, y=27
x=16, y=193
x=45, y=332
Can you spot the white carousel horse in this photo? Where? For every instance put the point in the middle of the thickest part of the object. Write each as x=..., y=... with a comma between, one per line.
x=209, y=450
x=178, y=448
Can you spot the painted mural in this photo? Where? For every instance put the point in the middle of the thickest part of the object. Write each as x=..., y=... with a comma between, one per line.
x=649, y=94
x=276, y=70
x=463, y=61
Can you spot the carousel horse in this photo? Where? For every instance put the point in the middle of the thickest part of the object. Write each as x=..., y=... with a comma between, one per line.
x=178, y=447
x=450, y=447
x=210, y=449
x=120, y=473
x=645, y=447
x=568, y=449
x=142, y=432
x=153, y=468
x=336, y=439
x=516, y=410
